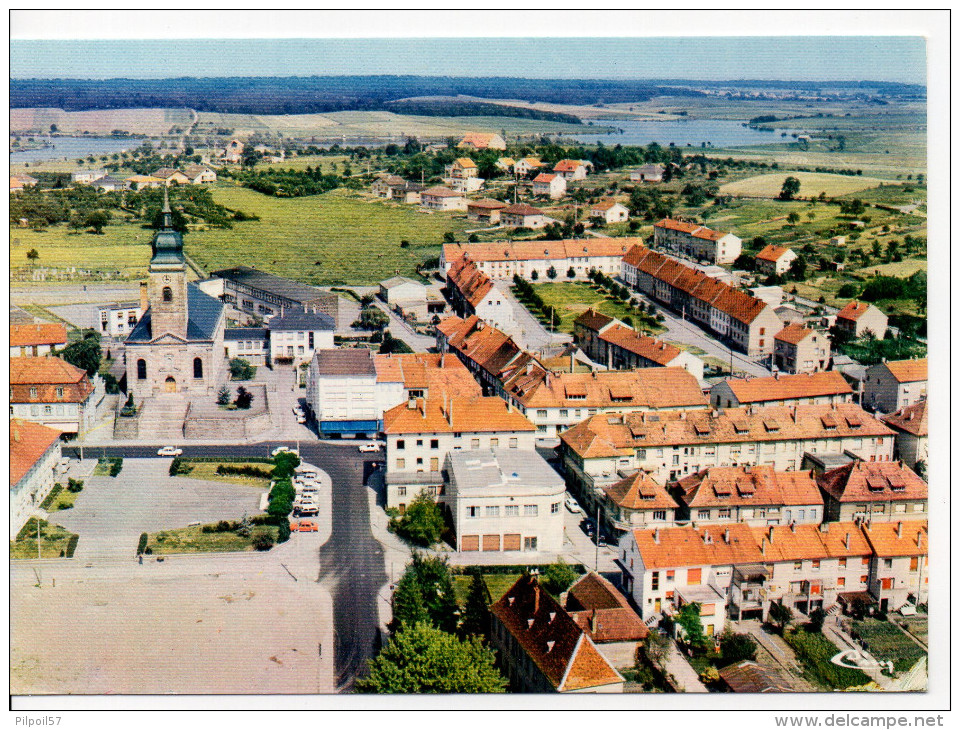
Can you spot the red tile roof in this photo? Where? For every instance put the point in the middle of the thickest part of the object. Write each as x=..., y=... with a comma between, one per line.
x=22, y=335
x=472, y=283
x=593, y=320
x=604, y=205
x=789, y=387
x=693, y=229
x=602, y=612
x=912, y=419
x=459, y=414
x=640, y=492
x=545, y=177
x=521, y=209
x=538, y=250
x=690, y=546
x=28, y=443
x=793, y=334
x=475, y=340
x=432, y=371
x=912, y=539
x=853, y=311
x=772, y=253
x=486, y=204
x=723, y=486
x=646, y=347
x=862, y=481
x=477, y=139
x=753, y=678
x=568, y=165
x=908, y=371
x=45, y=375
x=441, y=192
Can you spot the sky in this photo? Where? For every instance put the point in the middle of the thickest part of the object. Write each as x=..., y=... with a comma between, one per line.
x=856, y=58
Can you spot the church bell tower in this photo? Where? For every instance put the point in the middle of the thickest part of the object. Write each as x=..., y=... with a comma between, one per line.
x=167, y=287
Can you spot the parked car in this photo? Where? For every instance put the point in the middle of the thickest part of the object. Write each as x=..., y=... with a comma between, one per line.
x=370, y=446
x=573, y=506
x=301, y=419
x=297, y=411
x=306, y=510
x=303, y=526
x=281, y=450
x=169, y=451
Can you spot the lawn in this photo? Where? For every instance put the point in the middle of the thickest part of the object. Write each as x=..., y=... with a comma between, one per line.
x=59, y=499
x=123, y=250
x=814, y=652
x=497, y=585
x=811, y=184
x=194, y=540
x=207, y=471
x=54, y=541
x=888, y=643
x=916, y=625
x=571, y=299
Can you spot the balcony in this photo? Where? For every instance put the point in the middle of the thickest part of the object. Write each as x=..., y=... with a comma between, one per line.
x=751, y=574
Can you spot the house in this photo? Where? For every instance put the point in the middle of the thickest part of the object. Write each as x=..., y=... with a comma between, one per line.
x=696, y=241
x=891, y=385
x=462, y=167
x=502, y=260
x=838, y=240
x=250, y=343
x=383, y=186
x=485, y=350
x=485, y=210
x=441, y=198
x=474, y=293
x=422, y=431
x=398, y=289
x=550, y=185
x=35, y=456
x=143, y=182
x=910, y=424
x=54, y=393
x=119, y=319
x=342, y=392
x=503, y=500
x=899, y=570
x=610, y=211
x=296, y=334
x=480, y=141
x=233, y=151
x=524, y=167
x=109, y=184
x=605, y=615
x=757, y=495
x=637, y=501
x=797, y=349
x=199, y=174
x=19, y=182
x=775, y=260
x=858, y=318
x=673, y=444
x=170, y=176
x=521, y=215
x=884, y=491
x=748, y=677
x=828, y=387
x=85, y=177
x=505, y=163
x=32, y=340
x=541, y=648
x=647, y=173
x=401, y=377
x=772, y=295
x=572, y=169
x=253, y=295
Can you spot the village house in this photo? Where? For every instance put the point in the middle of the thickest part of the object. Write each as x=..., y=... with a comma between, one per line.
x=441, y=198
x=296, y=334
x=610, y=211
x=485, y=210
x=170, y=176
x=199, y=174
x=503, y=500
x=407, y=192
x=35, y=466
x=481, y=141
x=482, y=348
x=341, y=392
x=398, y=289
x=383, y=186
x=605, y=615
x=782, y=390
x=797, y=349
x=462, y=176
x=233, y=152
x=524, y=167
x=611, y=343
x=109, y=184
x=775, y=260
x=252, y=295
x=85, y=177
x=143, y=182
x=549, y=185
x=505, y=163
x=503, y=259
x=891, y=385
x=541, y=648
x=250, y=343
x=858, y=318
x=421, y=432
x=910, y=424
x=572, y=169
x=637, y=501
x=19, y=182
x=899, y=569
x=474, y=293
x=647, y=173
x=696, y=241
x=521, y=215
x=54, y=393
x=119, y=319
x=33, y=340
x=757, y=495
x=733, y=316
x=880, y=492
x=672, y=444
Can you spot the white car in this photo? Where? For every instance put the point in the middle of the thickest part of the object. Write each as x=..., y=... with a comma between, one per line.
x=301, y=419
x=369, y=446
x=573, y=506
x=281, y=450
x=297, y=411
x=169, y=451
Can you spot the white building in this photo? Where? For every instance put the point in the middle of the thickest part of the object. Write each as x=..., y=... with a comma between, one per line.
x=85, y=177
x=118, y=320
x=249, y=343
x=894, y=384
x=647, y=173
x=32, y=340
x=441, y=198
x=342, y=391
x=610, y=211
x=696, y=241
x=35, y=454
x=54, y=393
x=550, y=185
x=297, y=334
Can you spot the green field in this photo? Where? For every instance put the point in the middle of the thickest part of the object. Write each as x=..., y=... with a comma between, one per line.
x=571, y=299
x=811, y=184
x=194, y=540
x=497, y=585
x=54, y=540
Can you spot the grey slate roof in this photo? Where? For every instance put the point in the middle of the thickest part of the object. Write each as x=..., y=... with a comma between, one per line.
x=234, y=334
x=351, y=361
x=299, y=320
x=278, y=285
x=203, y=313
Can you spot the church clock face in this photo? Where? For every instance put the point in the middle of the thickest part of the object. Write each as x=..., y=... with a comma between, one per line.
x=166, y=279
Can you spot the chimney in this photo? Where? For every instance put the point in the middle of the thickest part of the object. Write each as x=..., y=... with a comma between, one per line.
x=770, y=534
x=683, y=415
x=824, y=527
x=593, y=622
x=726, y=536
x=793, y=526
x=412, y=403
x=899, y=530
x=656, y=536
x=509, y=406
x=450, y=412
x=846, y=541
x=144, y=302
x=529, y=623
x=529, y=368
x=919, y=540
x=536, y=599
x=707, y=540
x=763, y=546
x=776, y=375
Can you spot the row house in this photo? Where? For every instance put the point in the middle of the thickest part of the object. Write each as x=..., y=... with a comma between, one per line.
x=638, y=501
x=826, y=388
x=775, y=260
x=858, y=318
x=910, y=424
x=891, y=385
x=550, y=185
x=883, y=491
x=441, y=198
x=485, y=350
x=54, y=393
x=250, y=343
x=35, y=466
x=611, y=343
x=899, y=569
x=502, y=260
x=696, y=241
x=474, y=293
x=610, y=211
x=742, y=321
x=36, y=340
x=253, y=295
x=421, y=432
x=541, y=648
x=521, y=215
x=798, y=349
x=485, y=210
x=672, y=444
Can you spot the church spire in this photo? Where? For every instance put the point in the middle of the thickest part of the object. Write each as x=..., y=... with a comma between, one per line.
x=167, y=214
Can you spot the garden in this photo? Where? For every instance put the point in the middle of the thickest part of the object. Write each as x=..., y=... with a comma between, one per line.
x=814, y=652
x=55, y=541
x=886, y=642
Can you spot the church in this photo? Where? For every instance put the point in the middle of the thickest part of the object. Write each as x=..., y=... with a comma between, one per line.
x=177, y=346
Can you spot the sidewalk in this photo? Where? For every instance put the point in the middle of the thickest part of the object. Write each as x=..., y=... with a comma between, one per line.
x=832, y=630
x=685, y=676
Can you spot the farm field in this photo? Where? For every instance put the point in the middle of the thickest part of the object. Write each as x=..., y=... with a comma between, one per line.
x=811, y=184
x=101, y=121
x=123, y=248
x=571, y=299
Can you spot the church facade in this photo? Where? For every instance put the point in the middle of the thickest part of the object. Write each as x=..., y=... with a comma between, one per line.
x=177, y=346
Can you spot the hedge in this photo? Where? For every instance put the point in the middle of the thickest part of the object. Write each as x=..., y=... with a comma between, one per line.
x=506, y=569
x=72, y=545
x=229, y=459
x=57, y=488
x=245, y=471
x=142, y=545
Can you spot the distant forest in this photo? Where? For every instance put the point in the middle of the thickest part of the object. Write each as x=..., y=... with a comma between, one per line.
x=319, y=94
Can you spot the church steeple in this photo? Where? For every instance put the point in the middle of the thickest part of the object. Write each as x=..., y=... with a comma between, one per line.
x=167, y=288
x=167, y=214
x=167, y=243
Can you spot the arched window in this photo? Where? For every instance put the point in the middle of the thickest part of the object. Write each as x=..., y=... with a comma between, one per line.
x=197, y=367
x=141, y=369
x=167, y=294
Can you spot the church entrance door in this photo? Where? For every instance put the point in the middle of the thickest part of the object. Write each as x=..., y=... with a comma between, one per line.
x=170, y=385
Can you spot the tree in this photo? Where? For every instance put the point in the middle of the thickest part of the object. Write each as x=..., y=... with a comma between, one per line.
x=421, y=523
x=85, y=353
x=372, y=318
x=262, y=540
x=793, y=218
x=817, y=617
x=557, y=577
x=407, y=603
x=476, y=611
x=737, y=647
x=431, y=577
x=534, y=275
x=791, y=186
x=244, y=398
x=798, y=269
x=422, y=659
x=33, y=254
x=241, y=369
x=688, y=619
x=97, y=220
x=657, y=649
x=745, y=261
x=571, y=273
x=780, y=615
x=449, y=237
x=223, y=395
x=552, y=273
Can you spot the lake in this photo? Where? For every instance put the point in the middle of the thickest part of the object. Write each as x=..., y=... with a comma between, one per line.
x=73, y=148
x=682, y=132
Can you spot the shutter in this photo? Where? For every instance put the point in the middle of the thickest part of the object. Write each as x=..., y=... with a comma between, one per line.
x=693, y=576
x=470, y=543
x=491, y=543
x=511, y=542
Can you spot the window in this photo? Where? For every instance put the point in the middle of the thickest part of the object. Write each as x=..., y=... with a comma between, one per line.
x=59, y=392
x=401, y=444
x=473, y=511
x=676, y=459
x=419, y=461
x=401, y=463
x=511, y=510
x=33, y=392
x=899, y=509
x=888, y=562
x=564, y=413
x=197, y=367
x=474, y=443
x=841, y=582
x=703, y=514
x=724, y=514
x=555, y=508
x=659, y=514
x=655, y=580
x=842, y=563
x=401, y=491
x=863, y=580
x=513, y=443
x=494, y=443
x=167, y=294
x=48, y=410
x=670, y=575
x=693, y=576
x=434, y=463
x=492, y=511
x=798, y=566
x=865, y=562
x=34, y=410
x=434, y=443
x=542, y=413
x=529, y=543
x=530, y=510
x=816, y=565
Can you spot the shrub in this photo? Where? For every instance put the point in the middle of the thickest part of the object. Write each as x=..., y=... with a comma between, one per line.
x=737, y=647
x=244, y=471
x=241, y=369
x=116, y=466
x=262, y=540
x=72, y=545
x=142, y=545
x=283, y=531
x=148, y=551
x=223, y=396
x=74, y=485
x=557, y=577
x=422, y=523
x=206, y=529
x=45, y=504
